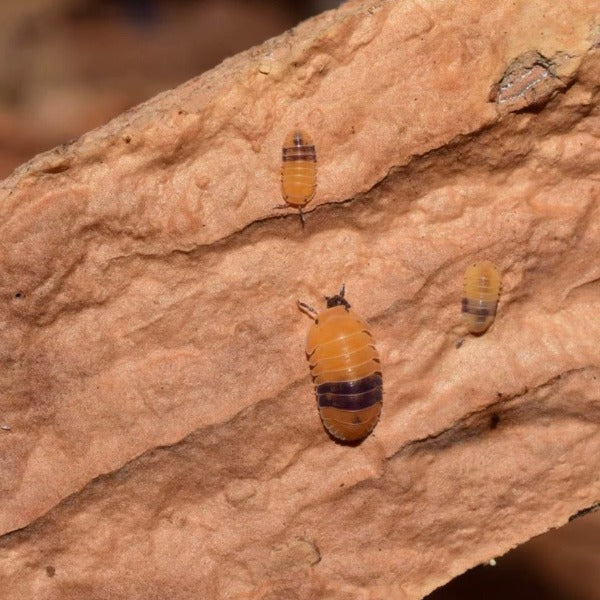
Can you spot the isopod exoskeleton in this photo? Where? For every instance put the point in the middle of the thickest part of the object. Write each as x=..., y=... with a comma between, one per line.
x=481, y=293
x=345, y=368
x=298, y=170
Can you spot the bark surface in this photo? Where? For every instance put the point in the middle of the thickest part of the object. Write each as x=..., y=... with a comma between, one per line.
x=158, y=430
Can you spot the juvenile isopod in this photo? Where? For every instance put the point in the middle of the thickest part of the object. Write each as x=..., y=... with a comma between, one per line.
x=345, y=368
x=481, y=293
x=298, y=170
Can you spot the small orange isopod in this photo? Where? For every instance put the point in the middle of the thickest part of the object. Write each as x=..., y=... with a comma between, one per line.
x=345, y=368
x=481, y=293
x=298, y=170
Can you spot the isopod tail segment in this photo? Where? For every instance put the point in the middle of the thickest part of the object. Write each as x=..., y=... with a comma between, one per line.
x=345, y=368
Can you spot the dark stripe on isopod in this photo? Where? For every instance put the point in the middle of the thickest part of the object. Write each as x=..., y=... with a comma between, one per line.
x=300, y=157
x=356, y=386
x=306, y=153
x=478, y=307
x=351, y=401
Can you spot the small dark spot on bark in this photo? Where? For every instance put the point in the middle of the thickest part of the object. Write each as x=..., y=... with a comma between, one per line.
x=50, y=571
x=341, y=485
x=499, y=394
x=19, y=295
x=127, y=139
x=494, y=420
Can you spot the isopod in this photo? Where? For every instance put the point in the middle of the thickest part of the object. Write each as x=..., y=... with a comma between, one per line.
x=345, y=368
x=298, y=170
x=481, y=293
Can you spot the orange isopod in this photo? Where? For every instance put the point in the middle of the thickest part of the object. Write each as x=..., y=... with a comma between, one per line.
x=481, y=293
x=345, y=368
x=298, y=170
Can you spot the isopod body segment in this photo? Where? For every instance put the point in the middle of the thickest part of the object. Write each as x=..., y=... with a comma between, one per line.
x=298, y=169
x=480, y=298
x=346, y=370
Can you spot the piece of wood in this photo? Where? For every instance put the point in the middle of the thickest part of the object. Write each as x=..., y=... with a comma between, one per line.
x=162, y=439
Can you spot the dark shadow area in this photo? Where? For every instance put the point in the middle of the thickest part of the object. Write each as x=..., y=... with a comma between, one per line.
x=506, y=580
x=563, y=564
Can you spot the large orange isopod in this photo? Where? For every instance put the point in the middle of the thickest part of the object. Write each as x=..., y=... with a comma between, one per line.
x=298, y=170
x=481, y=292
x=345, y=368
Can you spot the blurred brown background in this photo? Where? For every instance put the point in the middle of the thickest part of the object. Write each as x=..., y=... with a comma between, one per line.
x=563, y=564
x=71, y=65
